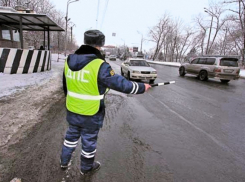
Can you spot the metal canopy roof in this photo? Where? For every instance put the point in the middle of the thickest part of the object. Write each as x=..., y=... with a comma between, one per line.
x=30, y=21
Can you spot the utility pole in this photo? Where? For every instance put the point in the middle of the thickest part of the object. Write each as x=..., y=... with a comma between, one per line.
x=210, y=29
x=66, y=18
x=72, y=35
x=141, y=44
x=124, y=47
x=141, y=40
x=243, y=56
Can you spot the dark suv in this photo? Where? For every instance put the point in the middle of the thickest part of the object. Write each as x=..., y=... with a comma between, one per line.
x=224, y=68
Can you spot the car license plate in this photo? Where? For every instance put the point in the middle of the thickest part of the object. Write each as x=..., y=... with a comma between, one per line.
x=228, y=71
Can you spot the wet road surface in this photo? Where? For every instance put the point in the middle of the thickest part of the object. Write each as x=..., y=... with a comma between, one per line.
x=198, y=127
x=188, y=131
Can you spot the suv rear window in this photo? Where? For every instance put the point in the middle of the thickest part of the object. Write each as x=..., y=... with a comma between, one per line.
x=229, y=62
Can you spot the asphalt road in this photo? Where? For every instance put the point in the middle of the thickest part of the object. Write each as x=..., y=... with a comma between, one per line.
x=197, y=128
x=190, y=131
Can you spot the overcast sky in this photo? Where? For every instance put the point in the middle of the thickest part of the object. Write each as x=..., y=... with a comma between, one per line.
x=127, y=17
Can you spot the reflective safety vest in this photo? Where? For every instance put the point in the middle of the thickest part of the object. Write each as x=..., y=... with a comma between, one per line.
x=83, y=95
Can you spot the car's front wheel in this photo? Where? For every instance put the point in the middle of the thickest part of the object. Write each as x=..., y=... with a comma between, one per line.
x=182, y=71
x=224, y=81
x=128, y=75
x=122, y=72
x=203, y=75
x=151, y=81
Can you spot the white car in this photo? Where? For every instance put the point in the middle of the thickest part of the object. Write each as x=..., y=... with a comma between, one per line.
x=112, y=57
x=138, y=69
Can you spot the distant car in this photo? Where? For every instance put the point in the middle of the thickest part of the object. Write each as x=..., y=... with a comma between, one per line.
x=224, y=68
x=140, y=55
x=112, y=57
x=138, y=69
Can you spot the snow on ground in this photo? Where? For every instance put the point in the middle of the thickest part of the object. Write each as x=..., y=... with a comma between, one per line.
x=10, y=84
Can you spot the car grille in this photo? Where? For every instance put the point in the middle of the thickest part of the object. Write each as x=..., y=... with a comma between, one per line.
x=145, y=72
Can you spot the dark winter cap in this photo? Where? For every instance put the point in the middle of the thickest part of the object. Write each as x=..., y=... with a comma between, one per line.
x=94, y=38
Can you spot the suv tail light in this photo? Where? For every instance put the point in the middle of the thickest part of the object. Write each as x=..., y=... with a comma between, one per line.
x=238, y=71
x=217, y=70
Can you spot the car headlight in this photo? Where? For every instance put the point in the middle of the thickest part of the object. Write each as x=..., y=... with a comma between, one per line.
x=154, y=72
x=136, y=71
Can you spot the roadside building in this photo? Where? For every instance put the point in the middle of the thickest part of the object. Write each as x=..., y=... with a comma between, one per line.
x=16, y=56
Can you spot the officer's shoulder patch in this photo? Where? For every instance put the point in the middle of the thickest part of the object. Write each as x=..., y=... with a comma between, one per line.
x=112, y=72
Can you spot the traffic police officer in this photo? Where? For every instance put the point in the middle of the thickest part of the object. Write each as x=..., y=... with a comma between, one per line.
x=87, y=78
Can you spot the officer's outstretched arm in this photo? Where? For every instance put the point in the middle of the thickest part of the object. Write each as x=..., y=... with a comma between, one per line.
x=109, y=79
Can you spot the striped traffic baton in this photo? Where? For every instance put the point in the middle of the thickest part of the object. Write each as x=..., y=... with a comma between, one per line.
x=159, y=84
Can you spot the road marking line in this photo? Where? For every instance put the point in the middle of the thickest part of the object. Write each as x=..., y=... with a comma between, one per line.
x=199, y=129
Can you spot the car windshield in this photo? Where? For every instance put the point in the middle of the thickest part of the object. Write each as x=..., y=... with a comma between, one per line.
x=229, y=62
x=139, y=63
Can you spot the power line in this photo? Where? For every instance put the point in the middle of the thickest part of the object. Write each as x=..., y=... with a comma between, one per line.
x=104, y=14
x=97, y=13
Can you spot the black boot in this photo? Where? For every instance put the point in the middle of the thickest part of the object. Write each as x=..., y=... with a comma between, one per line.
x=96, y=167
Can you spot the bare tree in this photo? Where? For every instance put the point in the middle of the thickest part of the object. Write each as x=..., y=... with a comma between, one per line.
x=159, y=32
x=215, y=11
x=185, y=43
x=6, y=3
x=202, y=28
x=237, y=8
x=176, y=39
x=171, y=38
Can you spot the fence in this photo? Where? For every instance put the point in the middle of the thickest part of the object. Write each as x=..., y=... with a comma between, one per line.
x=21, y=61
